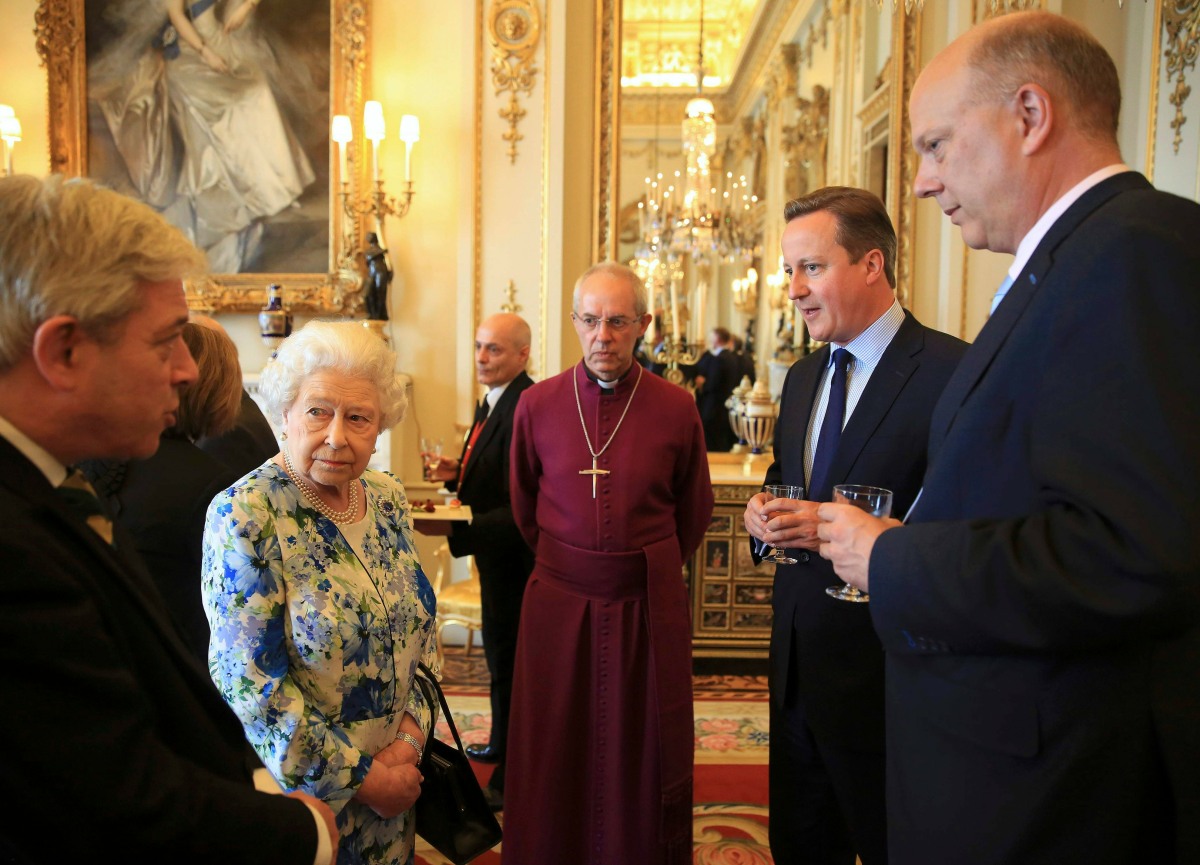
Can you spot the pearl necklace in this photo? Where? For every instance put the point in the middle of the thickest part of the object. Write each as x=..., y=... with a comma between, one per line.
x=339, y=517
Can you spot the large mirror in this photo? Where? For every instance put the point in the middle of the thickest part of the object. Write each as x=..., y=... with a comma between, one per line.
x=794, y=94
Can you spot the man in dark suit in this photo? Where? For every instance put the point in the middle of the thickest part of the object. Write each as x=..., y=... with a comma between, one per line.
x=1039, y=610
x=826, y=667
x=718, y=372
x=480, y=477
x=124, y=741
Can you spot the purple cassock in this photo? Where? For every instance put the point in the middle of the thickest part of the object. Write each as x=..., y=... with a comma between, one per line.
x=601, y=734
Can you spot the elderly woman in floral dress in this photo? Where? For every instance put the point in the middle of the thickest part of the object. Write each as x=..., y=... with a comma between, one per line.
x=318, y=606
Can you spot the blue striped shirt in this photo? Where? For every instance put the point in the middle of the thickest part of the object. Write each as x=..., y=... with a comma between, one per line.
x=867, y=348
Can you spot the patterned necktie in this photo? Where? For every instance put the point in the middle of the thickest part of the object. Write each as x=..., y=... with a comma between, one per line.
x=82, y=499
x=481, y=415
x=831, y=429
x=999, y=295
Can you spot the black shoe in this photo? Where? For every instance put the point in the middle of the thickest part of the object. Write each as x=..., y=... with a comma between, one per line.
x=483, y=753
x=494, y=798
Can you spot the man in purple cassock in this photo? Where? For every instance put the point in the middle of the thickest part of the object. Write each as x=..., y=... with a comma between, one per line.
x=610, y=486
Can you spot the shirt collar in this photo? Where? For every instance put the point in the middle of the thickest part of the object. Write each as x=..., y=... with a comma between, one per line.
x=54, y=471
x=1031, y=240
x=493, y=395
x=868, y=347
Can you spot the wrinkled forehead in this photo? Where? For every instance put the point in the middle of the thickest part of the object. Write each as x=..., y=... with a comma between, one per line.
x=604, y=294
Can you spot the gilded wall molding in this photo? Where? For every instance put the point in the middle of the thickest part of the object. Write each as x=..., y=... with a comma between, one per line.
x=606, y=178
x=1181, y=20
x=806, y=146
x=982, y=10
x=1155, y=76
x=477, y=250
x=902, y=159
x=784, y=76
x=59, y=31
x=514, y=28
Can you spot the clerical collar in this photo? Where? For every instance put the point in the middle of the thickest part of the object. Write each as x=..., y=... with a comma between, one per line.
x=608, y=386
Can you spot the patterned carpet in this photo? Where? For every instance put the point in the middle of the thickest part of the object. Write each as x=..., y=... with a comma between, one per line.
x=730, y=809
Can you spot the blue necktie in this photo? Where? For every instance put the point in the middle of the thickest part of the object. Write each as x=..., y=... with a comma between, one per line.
x=999, y=295
x=819, y=484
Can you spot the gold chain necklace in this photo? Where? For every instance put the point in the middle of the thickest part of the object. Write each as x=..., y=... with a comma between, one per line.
x=594, y=471
x=339, y=517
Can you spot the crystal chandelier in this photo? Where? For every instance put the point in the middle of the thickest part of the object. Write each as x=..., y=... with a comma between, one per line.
x=698, y=218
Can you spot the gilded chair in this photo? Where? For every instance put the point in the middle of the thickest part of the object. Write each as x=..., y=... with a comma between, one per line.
x=457, y=602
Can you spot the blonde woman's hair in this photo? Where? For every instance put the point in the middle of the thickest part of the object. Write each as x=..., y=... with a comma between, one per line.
x=70, y=247
x=210, y=405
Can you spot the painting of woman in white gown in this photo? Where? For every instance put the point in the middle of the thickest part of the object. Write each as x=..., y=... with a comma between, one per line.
x=214, y=112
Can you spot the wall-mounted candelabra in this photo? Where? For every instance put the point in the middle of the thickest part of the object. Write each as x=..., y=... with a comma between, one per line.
x=10, y=132
x=374, y=203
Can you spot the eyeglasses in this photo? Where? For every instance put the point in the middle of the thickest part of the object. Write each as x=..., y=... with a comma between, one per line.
x=616, y=323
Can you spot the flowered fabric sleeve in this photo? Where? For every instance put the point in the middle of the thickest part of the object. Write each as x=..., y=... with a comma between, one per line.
x=245, y=589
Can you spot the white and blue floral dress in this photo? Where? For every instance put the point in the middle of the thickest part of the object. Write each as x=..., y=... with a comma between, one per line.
x=315, y=643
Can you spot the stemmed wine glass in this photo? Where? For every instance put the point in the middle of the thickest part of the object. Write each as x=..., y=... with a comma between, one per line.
x=878, y=503
x=783, y=491
x=431, y=455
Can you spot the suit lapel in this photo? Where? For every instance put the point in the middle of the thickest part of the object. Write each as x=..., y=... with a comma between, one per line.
x=996, y=330
x=123, y=564
x=802, y=394
x=893, y=371
x=506, y=405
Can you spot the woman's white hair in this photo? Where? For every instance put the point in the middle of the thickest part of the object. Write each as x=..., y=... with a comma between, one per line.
x=343, y=346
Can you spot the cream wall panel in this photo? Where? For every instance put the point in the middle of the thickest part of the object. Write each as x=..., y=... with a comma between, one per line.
x=24, y=85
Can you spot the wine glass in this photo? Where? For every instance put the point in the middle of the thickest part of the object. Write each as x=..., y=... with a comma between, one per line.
x=878, y=503
x=783, y=491
x=431, y=455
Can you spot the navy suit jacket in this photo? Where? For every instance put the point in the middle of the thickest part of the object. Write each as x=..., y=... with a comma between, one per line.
x=1039, y=612
x=492, y=532
x=117, y=732
x=838, y=657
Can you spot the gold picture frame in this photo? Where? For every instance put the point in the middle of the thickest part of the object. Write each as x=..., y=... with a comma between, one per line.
x=61, y=42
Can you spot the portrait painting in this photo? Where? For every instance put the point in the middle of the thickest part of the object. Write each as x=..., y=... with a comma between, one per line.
x=217, y=114
x=746, y=567
x=720, y=524
x=716, y=593
x=758, y=594
x=716, y=558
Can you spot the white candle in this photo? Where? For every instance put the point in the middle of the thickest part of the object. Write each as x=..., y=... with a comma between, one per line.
x=342, y=134
x=373, y=129
x=674, y=314
x=410, y=134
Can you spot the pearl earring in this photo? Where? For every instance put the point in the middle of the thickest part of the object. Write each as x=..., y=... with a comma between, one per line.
x=283, y=436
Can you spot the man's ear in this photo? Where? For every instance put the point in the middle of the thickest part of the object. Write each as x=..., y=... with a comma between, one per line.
x=874, y=263
x=1035, y=111
x=58, y=343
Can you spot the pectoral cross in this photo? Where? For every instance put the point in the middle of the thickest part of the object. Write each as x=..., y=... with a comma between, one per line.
x=593, y=471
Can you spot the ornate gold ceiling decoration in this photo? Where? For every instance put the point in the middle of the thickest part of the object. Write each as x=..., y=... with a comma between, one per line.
x=514, y=27
x=658, y=41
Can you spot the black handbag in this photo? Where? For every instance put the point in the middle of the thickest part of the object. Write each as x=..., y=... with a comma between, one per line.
x=451, y=813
